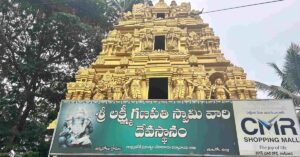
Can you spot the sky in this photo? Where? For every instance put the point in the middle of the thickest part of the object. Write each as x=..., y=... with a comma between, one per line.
x=254, y=36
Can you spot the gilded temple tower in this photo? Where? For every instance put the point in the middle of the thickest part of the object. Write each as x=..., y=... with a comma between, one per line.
x=161, y=52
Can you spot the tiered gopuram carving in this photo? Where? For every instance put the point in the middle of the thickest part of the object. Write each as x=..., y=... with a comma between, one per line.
x=161, y=41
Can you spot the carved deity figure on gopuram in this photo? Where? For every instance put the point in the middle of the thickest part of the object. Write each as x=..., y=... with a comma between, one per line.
x=161, y=48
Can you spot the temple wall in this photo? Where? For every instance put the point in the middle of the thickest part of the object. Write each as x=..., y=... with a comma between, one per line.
x=161, y=41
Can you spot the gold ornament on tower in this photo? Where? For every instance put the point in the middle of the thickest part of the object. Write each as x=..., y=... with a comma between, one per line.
x=162, y=50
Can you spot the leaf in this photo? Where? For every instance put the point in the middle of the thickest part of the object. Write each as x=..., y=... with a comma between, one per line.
x=277, y=70
x=290, y=75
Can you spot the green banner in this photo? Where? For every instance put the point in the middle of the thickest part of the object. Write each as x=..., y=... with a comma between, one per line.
x=145, y=127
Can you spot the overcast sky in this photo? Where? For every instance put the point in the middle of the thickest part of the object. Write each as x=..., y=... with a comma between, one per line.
x=254, y=36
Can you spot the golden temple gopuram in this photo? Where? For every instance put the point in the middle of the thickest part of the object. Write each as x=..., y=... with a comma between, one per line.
x=161, y=52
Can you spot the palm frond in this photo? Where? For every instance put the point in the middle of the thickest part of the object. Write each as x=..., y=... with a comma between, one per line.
x=277, y=69
x=292, y=67
x=295, y=97
x=272, y=90
x=288, y=82
x=278, y=92
x=290, y=75
x=262, y=86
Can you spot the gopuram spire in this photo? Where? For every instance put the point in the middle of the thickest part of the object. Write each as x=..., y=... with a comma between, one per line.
x=161, y=52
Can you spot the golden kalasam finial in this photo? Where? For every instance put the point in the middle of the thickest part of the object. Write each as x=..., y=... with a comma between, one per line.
x=173, y=3
x=161, y=3
x=149, y=43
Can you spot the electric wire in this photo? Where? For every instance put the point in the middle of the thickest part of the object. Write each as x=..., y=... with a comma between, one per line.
x=204, y=12
x=242, y=6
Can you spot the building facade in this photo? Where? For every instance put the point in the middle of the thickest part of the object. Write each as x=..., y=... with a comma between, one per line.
x=161, y=52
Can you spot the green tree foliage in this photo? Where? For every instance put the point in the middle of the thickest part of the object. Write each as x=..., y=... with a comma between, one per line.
x=117, y=7
x=42, y=45
x=290, y=76
x=93, y=12
x=101, y=13
x=122, y=6
x=39, y=54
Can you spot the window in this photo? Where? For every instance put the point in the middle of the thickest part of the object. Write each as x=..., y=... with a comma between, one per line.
x=159, y=43
x=161, y=15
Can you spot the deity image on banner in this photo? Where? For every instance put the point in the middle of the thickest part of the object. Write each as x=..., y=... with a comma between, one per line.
x=76, y=131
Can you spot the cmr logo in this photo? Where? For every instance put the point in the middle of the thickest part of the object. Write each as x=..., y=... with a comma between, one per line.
x=281, y=126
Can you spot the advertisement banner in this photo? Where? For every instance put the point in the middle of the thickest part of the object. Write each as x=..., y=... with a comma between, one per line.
x=145, y=128
x=177, y=128
x=267, y=128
